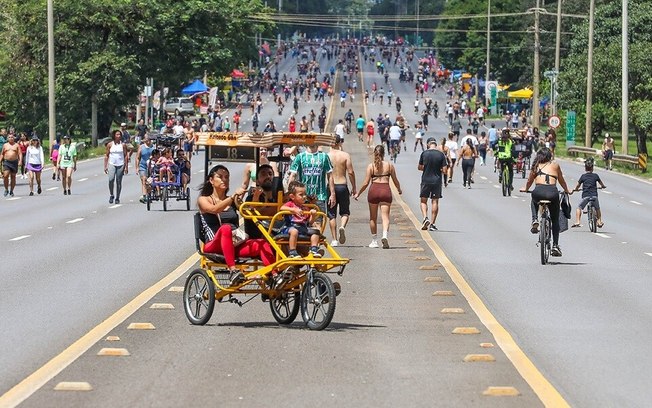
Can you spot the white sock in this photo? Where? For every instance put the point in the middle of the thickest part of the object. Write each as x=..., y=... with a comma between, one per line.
x=374, y=237
x=385, y=234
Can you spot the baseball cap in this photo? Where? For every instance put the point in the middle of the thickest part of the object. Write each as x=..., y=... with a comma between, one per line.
x=123, y=124
x=66, y=136
x=431, y=140
x=34, y=137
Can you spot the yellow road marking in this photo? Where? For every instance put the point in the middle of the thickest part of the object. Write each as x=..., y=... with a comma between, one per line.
x=546, y=392
x=73, y=386
x=40, y=377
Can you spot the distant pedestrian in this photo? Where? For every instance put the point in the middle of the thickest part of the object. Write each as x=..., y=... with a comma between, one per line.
x=342, y=168
x=67, y=163
x=433, y=164
x=35, y=160
x=377, y=178
x=116, y=165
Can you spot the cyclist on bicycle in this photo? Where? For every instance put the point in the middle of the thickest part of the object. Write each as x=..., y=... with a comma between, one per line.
x=394, y=140
x=505, y=145
x=348, y=117
x=589, y=183
x=545, y=174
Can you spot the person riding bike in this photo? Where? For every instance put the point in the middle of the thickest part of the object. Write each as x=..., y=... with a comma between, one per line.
x=504, y=156
x=348, y=117
x=589, y=183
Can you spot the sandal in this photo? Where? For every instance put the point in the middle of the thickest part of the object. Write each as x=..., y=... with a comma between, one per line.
x=576, y=225
x=600, y=225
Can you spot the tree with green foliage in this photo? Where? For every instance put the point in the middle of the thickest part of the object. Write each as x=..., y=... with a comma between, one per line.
x=105, y=51
x=607, y=64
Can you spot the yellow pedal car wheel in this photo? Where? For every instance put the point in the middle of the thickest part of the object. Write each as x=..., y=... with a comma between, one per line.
x=318, y=301
x=285, y=307
x=198, y=297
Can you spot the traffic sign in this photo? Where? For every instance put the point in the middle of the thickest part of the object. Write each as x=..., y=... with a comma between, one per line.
x=554, y=121
x=550, y=74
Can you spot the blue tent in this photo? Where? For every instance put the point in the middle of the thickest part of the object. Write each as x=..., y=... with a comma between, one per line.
x=196, y=87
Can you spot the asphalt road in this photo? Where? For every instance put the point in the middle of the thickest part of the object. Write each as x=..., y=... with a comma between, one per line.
x=581, y=320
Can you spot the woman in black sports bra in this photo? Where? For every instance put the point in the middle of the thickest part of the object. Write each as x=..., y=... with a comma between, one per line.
x=545, y=174
x=378, y=174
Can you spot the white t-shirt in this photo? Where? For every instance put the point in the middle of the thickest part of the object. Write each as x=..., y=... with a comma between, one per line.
x=452, y=146
x=394, y=132
x=472, y=137
x=339, y=130
x=480, y=113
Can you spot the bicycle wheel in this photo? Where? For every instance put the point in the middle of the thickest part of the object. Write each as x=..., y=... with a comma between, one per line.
x=318, y=301
x=285, y=307
x=198, y=297
x=591, y=215
x=188, y=198
x=148, y=199
x=505, y=184
x=544, y=238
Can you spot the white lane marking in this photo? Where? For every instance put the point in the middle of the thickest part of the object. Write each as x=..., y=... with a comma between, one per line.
x=116, y=206
x=648, y=253
x=51, y=188
x=201, y=171
x=623, y=242
x=635, y=202
x=20, y=237
x=50, y=227
x=83, y=179
x=602, y=235
x=483, y=177
x=74, y=221
x=496, y=185
x=607, y=192
x=14, y=198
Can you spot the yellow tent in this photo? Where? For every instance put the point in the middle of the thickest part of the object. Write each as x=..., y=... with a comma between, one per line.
x=521, y=94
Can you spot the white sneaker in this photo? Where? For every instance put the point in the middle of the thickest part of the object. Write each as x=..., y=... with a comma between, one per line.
x=334, y=243
x=374, y=244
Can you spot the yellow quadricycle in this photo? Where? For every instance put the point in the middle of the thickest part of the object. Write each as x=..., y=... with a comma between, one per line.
x=289, y=284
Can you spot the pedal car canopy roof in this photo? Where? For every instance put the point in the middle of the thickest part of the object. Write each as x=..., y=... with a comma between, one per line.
x=234, y=139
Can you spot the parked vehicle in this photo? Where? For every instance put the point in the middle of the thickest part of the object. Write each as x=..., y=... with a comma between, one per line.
x=179, y=106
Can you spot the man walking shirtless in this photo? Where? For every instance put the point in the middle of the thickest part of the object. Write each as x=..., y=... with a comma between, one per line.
x=342, y=166
x=11, y=159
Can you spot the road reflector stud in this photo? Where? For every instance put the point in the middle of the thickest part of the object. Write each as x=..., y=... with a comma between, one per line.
x=411, y=241
x=430, y=268
x=487, y=345
x=113, y=352
x=407, y=235
x=452, y=310
x=443, y=293
x=501, y=392
x=421, y=258
x=141, y=326
x=161, y=306
x=112, y=338
x=474, y=358
x=404, y=228
x=73, y=386
x=466, y=330
x=175, y=289
x=416, y=249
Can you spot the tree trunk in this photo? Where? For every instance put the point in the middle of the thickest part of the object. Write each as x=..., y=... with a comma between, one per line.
x=94, y=120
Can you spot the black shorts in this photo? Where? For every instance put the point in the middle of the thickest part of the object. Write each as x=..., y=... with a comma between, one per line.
x=342, y=200
x=430, y=190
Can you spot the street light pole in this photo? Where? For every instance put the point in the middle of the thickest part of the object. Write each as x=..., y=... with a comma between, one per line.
x=589, y=80
x=557, y=52
x=52, y=128
x=416, y=40
x=535, y=77
x=486, y=77
x=625, y=80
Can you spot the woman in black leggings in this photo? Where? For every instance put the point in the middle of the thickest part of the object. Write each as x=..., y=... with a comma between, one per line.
x=545, y=173
x=467, y=157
